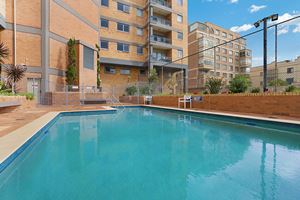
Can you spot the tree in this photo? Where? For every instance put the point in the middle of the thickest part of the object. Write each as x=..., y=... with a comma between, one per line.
x=278, y=82
x=98, y=66
x=14, y=73
x=152, y=79
x=239, y=84
x=4, y=53
x=172, y=84
x=214, y=85
x=71, y=73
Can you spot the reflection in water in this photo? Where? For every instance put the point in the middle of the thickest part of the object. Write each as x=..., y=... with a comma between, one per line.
x=152, y=154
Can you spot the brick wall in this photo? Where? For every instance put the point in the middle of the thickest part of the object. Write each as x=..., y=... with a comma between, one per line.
x=279, y=104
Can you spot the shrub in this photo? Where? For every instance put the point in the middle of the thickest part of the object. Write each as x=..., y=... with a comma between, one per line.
x=145, y=90
x=278, y=82
x=214, y=85
x=292, y=88
x=71, y=73
x=255, y=90
x=239, y=84
x=14, y=73
x=29, y=96
x=131, y=90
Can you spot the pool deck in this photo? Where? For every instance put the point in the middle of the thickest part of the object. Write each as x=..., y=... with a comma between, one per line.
x=23, y=124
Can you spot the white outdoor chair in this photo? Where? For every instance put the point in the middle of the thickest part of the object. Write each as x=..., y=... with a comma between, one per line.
x=186, y=99
x=147, y=100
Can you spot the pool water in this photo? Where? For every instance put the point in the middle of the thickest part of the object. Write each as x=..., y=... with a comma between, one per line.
x=142, y=153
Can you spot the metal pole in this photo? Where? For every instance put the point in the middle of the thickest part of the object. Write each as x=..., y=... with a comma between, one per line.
x=215, y=66
x=276, y=51
x=265, y=55
x=162, y=79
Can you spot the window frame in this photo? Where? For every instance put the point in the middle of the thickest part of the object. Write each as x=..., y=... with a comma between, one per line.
x=109, y=72
x=104, y=4
x=139, y=47
x=87, y=58
x=123, y=25
x=102, y=20
x=125, y=70
x=123, y=47
x=122, y=7
x=137, y=31
x=178, y=34
x=179, y=51
x=179, y=17
x=103, y=47
x=141, y=11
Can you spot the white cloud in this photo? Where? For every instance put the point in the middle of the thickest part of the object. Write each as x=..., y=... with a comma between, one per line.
x=297, y=29
x=283, y=31
x=242, y=28
x=254, y=8
x=284, y=28
x=233, y=1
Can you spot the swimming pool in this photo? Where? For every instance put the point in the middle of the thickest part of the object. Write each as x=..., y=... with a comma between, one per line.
x=146, y=153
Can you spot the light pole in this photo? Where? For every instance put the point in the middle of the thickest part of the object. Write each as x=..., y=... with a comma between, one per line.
x=265, y=24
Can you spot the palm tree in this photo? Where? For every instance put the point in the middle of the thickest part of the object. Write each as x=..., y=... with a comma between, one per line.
x=4, y=53
x=14, y=73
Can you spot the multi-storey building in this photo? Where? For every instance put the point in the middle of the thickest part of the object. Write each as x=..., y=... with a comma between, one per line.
x=224, y=58
x=134, y=36
x=36, y=33
x=138, y=35
x=287, y=71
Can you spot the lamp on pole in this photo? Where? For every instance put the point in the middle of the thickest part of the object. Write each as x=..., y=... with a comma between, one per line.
x=265, y=28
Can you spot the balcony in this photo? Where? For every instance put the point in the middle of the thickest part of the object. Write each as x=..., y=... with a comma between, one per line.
x=160, y=24
x=164, y=59
x=160, y=6
x=160, y=42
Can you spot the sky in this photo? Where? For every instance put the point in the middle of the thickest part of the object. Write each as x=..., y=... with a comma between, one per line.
x=239, y=16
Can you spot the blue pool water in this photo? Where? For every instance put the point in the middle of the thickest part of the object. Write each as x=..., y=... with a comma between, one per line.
x=142, y=153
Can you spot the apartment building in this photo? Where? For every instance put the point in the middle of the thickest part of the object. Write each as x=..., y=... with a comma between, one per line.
x=36, y=33
x=225, y=58
x=139, y=35
x=287, y=71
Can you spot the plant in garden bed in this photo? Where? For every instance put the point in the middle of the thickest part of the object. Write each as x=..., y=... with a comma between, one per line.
x=14, y=73
x=255, y=90
x=71, y=73
x=239, y=84
x=214, y=85
x=152, y=79
x=132, y=90
x=292, y=88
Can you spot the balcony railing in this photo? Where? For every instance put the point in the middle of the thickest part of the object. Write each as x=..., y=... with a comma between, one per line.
x=161, y=2
x=161, y=39
x=160, y=20
x=161, y=58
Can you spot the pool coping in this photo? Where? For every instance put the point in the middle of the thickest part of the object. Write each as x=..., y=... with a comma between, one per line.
x=295, y=122
x=14, y=143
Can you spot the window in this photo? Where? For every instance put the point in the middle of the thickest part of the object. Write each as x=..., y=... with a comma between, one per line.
x=104, y=44
x=224, y=67
x=217, y=65
x=230, y=52
x=224, y=75
x=110, y=70
x=179, y=18
x=224, y=51
x=290, y=70
x=237, y=54
x=123, y=47
x=236, y=46
x=230, y=36
x=231, y=68
x=139, y=50
x=230, y=44
x=104, y=3
x=290, y=80
x=104, y=23
x=230, y=60
x=180, y=2
x=142, y=72
x=123, y=27
x=217, y=57
x=217, y=49
x=223, y=59
x=88, y=58
x=231, y=75
x=179, y=53
x=123, y=7
x=139, y=12
x=224, y=35
x=139, y=31
x=217, y=32
x=180, y=36
x=218, y=73
x=125, y=71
